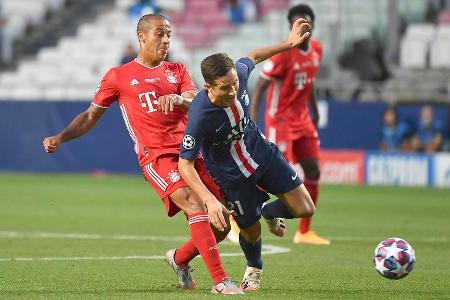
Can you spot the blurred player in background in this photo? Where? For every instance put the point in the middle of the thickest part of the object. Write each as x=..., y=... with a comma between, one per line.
x=290, y=77
x=239, y=157
x=153, y=96
x=428, y=137
x=394, y=133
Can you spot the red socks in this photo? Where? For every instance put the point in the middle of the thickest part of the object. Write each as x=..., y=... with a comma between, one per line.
x=202, y=238
x=186, y=253
x=313, y=188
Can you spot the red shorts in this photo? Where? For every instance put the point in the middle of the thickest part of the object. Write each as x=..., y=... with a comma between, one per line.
x=294, y=150
x=163, y=175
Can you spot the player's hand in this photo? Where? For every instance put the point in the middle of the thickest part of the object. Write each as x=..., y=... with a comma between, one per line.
x=216, y=211
x=299, y=32
x=167, y=103
x=51, y=143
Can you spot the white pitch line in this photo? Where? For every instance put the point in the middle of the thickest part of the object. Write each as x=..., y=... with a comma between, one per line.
x=266, y=249
x=89, y=236
x=80, y=258
x=86, y=236
x=367, y=239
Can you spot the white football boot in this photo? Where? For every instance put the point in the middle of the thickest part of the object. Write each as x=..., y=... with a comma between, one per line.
x=184, y=275
x=226, y=287
x=252, y=279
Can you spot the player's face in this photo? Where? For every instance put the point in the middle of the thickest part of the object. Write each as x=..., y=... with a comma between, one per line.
x=155, y=41
x=389, y=118
x=224, y=90
x=307, y=18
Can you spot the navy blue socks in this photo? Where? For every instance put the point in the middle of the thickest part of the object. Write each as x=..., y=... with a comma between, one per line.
x=276, y=209
x=252, y=252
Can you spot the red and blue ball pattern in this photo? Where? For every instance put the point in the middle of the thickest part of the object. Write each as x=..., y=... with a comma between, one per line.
x=394, y=258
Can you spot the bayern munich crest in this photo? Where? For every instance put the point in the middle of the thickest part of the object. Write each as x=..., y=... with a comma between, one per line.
x=174, y=175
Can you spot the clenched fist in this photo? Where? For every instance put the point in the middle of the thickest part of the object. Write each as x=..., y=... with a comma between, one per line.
x=51, y=143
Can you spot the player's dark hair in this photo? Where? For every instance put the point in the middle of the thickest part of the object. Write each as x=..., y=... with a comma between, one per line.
x=144, y=21
x=299, y=10
x=216, y=65
x=393, y=109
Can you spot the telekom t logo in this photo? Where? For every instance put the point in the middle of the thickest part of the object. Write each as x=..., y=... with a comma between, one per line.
x=148, y=99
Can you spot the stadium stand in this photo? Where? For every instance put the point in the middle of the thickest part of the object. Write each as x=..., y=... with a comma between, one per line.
x=440, y=47
x=419, y=38
x=71, y=68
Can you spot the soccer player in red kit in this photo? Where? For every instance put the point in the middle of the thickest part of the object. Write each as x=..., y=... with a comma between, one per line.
x=153, y=96
x=290, y=77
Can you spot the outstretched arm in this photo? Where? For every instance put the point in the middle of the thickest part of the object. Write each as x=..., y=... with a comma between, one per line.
x=298, y=34
x=79, y=126
x=255, y=103
x=215, y=208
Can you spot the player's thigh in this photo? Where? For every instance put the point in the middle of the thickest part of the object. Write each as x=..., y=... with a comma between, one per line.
x=306, y=148
x=279, y=177
x=163, y=175
x=298, y=201
x=279, y=135
x=246, y=200
x=208, y=181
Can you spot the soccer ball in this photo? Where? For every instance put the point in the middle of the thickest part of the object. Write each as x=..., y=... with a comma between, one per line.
x=394, y=258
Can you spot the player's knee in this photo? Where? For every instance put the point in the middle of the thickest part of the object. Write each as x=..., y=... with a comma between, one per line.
x=309, y=210
x=312, y=172
x=252, y=234
x=304, y=206
x=190, y=203
x=196, y=204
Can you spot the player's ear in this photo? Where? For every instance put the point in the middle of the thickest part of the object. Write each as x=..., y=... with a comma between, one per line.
x=207, y=86
x=141, y=37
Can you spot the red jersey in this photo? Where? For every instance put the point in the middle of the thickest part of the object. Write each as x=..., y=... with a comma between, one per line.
x=293, y=74
x=137, y=88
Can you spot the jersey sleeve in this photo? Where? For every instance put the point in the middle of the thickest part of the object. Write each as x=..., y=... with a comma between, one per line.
x=319, y=49
x=107, y=91
x=194, y=135
x=273, y=67
x=187, y=84
x=244, y=66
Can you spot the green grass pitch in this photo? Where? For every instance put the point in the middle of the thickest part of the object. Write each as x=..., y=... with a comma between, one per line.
x=78, y=237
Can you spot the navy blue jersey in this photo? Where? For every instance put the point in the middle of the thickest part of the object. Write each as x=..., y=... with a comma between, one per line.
x=231, y=143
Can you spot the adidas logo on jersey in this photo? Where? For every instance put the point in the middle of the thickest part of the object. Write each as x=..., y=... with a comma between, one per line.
x=134, y=82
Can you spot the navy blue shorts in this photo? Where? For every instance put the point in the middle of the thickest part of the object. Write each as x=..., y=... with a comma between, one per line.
x=247, y=198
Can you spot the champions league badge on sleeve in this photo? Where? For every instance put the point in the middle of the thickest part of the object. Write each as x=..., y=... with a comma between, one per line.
x=188, y=142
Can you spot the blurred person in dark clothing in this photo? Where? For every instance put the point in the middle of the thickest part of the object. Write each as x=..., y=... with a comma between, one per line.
x=129, y=55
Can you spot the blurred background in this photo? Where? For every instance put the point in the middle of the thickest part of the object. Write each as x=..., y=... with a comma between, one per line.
x=383, y=86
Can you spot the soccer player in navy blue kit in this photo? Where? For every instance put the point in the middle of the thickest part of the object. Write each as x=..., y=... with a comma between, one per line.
x=244, y=163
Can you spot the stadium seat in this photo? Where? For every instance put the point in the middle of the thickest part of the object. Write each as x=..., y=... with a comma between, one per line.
x=418, y=38
x=440, y=48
